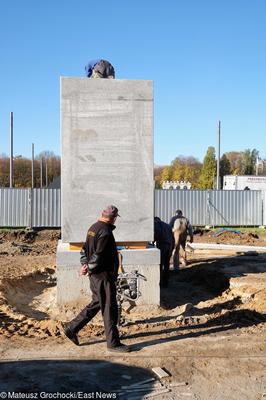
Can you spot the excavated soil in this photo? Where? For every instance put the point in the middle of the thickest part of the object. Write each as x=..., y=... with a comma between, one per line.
x=231, y=236
x=225, y=320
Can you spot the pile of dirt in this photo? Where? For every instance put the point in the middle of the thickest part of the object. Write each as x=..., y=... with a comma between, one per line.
x=224, y=292
x=229, y=237
x=28, y=241
x=28, y=304
x=27, y=283
x=25, y=302
x=215, y=342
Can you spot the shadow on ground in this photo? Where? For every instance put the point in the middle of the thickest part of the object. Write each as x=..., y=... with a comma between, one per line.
x=235, y=319
x=70, y=376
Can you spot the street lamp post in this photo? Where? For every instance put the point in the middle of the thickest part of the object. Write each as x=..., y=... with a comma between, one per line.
x=11, y=152
x=218, y=157
x=32, y=166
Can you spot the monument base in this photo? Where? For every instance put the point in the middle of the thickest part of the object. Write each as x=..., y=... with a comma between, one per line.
x=73, y=288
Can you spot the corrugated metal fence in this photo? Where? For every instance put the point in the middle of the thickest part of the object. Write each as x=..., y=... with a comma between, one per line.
x=213, y=207
x=41, y=207
x=30, y=207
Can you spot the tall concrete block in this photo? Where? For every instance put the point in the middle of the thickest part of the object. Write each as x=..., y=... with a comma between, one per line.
x=107, y=156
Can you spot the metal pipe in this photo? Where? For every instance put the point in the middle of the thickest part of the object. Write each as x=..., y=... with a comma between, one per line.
x=218, y=157
x=46, y=174
x=231, y=247
x=32, y=165
x=11, y=152
x=41, y=172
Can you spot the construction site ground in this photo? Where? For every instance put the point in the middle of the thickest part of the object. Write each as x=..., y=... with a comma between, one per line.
x=216, y=349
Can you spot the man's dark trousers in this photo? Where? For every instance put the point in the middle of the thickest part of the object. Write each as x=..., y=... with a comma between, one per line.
x=103, y=291
x=166, y=252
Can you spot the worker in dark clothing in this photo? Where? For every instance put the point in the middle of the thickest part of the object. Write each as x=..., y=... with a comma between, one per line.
x=164, y=239
x=172, y=220
x=99, y=260
x=100, y=69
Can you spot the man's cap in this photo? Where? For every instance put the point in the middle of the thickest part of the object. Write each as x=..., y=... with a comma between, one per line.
x=110, y=211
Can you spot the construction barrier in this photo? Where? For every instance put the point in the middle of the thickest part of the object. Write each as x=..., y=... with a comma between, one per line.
x=42, y=207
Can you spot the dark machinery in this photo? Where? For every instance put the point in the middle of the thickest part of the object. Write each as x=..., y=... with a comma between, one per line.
x=127, y=287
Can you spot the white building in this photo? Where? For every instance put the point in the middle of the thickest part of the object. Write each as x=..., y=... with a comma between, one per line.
x=183, y=185
x=244, y=182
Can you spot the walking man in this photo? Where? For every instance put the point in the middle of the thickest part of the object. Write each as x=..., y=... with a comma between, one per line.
x=181, y=228
x=163, y=236
x=100, y=261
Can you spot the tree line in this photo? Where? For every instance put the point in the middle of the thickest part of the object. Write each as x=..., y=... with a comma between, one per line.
x=203, y=175
x=46, y=169
x=200, y=175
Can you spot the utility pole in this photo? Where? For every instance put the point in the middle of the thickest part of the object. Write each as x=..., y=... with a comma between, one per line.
x=46, y=173
x=41, y=172
x=32, y=166
x=11, y=152
x=218, y=157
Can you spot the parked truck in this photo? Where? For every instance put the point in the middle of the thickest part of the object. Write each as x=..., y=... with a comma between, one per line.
x=244, y=182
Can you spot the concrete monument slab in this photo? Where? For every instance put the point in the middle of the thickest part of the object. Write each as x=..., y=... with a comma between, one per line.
x=107, y=156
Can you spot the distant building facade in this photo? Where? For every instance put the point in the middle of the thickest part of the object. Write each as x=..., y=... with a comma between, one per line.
x=182, y=185
x=244, y=182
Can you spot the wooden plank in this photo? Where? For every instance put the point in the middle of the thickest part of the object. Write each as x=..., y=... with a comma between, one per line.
x=161, y=373
x=128, y=245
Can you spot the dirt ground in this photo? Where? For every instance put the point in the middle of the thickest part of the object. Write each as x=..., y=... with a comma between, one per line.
x=229, y=236
x=215, y=350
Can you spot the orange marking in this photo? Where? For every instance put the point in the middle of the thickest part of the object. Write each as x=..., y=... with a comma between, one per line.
x=129, y=245
x=75, y=246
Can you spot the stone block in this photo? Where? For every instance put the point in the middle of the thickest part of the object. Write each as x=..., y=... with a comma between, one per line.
x=140, y=256
x=73, y=288
x=107, y=156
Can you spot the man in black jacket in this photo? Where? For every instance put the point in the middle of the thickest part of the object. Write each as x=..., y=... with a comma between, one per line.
x=163, y=236
x=100, y=261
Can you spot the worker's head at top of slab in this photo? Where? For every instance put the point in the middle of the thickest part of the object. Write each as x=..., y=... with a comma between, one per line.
x=100, y=69
x=179, y=213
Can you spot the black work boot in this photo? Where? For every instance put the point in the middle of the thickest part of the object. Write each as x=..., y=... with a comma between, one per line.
x=121, y=348
x=70, y=335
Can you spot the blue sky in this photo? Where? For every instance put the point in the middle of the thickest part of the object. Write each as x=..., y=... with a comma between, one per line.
x=207, y=59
